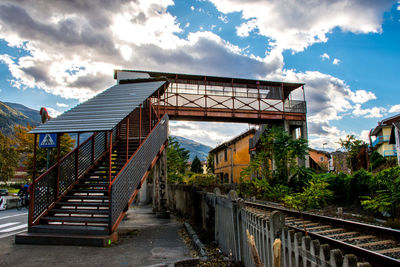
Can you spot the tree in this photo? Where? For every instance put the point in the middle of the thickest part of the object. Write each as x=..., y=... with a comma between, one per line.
x=210, y=163
x=354, y=147
x=177, y=160
x=8, y=158
x=24, y=143
x=276, y=160
x=196, y=166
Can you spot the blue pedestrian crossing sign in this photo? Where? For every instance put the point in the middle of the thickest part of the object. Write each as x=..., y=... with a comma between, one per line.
x=48, y=140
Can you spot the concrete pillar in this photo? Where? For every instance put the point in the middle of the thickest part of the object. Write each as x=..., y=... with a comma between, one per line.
x=156, y=187
x=304, y=135
x=143, y=199
x=160, y=187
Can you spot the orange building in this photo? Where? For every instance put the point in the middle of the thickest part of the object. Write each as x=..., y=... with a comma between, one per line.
x=319, y=160
x=231, y=157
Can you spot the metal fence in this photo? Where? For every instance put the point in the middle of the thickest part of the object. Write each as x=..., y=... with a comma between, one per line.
x=129, y=178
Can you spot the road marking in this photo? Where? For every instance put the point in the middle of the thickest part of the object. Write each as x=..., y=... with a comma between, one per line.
x=14, y=228
x=8, y=224
x=5, y=217
x=7, y=235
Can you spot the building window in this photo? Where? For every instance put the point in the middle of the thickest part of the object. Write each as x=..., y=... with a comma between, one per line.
x=322, y=159
x=226, y=154
x=216, y=159
x=226, y=178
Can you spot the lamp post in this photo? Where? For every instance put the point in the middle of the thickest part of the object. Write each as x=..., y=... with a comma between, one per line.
x=323, y=146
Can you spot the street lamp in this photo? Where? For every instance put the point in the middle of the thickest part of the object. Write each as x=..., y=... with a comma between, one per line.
x=323, y=145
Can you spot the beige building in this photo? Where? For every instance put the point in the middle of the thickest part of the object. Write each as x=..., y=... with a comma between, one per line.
x=380, y=137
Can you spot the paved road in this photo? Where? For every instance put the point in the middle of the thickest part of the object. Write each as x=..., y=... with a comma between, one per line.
x=12, y=222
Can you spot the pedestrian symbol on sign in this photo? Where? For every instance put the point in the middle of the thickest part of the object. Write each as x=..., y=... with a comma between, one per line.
x=48, y=140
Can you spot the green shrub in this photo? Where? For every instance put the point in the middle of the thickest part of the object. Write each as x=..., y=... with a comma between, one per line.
x=203, y=180
x=358, y=185
x=315, y=195
x=385, y=193
x=376, y=160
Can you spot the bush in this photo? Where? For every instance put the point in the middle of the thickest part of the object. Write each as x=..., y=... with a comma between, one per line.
x=315, y=195
x=203, y=180
x=358, y=185
x=385, y=193
x=376, y=160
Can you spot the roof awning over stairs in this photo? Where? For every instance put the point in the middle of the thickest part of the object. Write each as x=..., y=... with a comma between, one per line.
x=104, y=111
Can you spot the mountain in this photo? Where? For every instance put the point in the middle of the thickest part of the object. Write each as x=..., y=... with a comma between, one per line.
x=13, y=113
x=195, y=149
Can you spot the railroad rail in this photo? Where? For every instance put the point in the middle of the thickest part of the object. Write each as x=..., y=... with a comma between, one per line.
x=377, y=245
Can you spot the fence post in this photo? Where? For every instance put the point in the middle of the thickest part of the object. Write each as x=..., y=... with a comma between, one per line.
x=305, y=246
x=324, y=254
x=336, y=258
x=314, y=250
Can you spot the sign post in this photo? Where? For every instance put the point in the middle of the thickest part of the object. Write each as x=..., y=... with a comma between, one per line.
x=48, y=141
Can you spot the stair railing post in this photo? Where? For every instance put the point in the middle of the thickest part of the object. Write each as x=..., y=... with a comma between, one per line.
x=149, y=116
x=94, y=138
x=58, y=165
x=158, y=107
x=77, y=157
x=110, y=157
x=140, y=124
x=127, y=139
x=32, y=186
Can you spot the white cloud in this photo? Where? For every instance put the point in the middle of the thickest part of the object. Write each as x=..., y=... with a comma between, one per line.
x=187, y=25
x=361, y=96
x=61, y=105
x=298, y=24
x=375, y=112
x=364, y=136
x=398, y=5
x=336, y=61
x=324, y=56
x=223, y=18
x=395, y=108
x=208, y=133
x=245, y=29
x=192, y=8
x=53, y=112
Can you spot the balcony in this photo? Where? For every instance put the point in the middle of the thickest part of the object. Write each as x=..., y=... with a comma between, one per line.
x=380, y=139
x=389, y=153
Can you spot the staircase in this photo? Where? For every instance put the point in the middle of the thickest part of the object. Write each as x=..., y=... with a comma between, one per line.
x=91, y=208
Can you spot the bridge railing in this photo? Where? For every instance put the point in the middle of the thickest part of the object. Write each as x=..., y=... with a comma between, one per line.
x=295, y=106
x=128, y=180
x=55, y=182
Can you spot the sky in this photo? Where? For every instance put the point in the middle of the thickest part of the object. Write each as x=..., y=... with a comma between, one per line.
x=59, y=53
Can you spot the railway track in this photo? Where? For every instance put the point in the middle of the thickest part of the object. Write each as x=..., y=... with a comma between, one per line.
x=377, y=245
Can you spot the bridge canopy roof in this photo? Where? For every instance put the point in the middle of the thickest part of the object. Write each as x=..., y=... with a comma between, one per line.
x=104, y=111
x=250, y=83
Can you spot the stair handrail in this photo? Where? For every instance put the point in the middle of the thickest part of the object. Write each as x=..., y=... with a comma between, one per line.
x=54, y=188
x=152, y=149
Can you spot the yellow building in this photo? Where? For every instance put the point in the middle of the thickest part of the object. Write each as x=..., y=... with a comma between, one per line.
x=380, y=136
x=231, y=157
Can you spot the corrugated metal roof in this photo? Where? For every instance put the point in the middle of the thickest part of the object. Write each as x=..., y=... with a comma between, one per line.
x=104, y=111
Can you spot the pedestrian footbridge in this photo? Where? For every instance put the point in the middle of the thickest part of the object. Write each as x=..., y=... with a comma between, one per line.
x=82, y=199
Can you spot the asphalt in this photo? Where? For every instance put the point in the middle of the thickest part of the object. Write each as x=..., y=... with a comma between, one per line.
x=144, y=240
